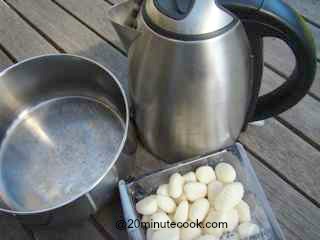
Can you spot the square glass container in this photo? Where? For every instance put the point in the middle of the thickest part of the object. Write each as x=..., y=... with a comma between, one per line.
x=235, y=155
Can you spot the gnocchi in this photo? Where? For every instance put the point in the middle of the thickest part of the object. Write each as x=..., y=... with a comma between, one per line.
x=163, y=190
x=225, y=172
x=166, y=204
x=176, y=185
x=207, y=195
x=208, y=237
x=159, y=220
x=199, y=210
x=195, y=190
x=232, y=220
x=243, y=211
x=214, y=188
x=229, y=197
x=190, y=233
x=215, y=217
x=147, y=206
x=205, y=174
x=182, y=212
x=145, y=218
x=190, y=177
x=181, y=198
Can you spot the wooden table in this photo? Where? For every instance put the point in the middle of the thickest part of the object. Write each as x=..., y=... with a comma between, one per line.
x=285, y=152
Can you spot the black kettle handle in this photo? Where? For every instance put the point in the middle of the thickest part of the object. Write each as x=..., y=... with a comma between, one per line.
x=276, y=19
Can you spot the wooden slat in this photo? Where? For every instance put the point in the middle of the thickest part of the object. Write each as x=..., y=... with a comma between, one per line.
x=4, y=61
x=18, y=37
x=308, y=8
x=273, y=49
x=315, y=89
x=114, y=1
x=108, y=217
x=297, y=216
x=304, y=116
x=316, y=34
x=99, y=21
x=280, y=57
x=84, y=231
x=287, y=153
x=71, y=35
x=10, y=229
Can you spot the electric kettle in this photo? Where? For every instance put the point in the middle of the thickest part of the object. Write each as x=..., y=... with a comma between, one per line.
x=195, y=68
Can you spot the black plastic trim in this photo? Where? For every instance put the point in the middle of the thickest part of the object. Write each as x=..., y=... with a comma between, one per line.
x=248, y=5
x=264, y=18
x=185, y=37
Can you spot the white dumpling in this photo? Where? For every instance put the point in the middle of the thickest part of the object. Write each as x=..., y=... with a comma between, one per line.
x=195, y=190
x=159, y=220
x=163, y=190
x=199, y=210
x=176, y=182
x=225, y=172
x=182, y=212
x=190, y=233
x=207, y=237
x=205, y=174
x=145, y=218
x=247, y=230
x=181, y=198
x=147, y=206
x=215, y=217
x=232, y=220
x=171, y=216
x=167, y=234
x=166, y=204
x=243, y=212
x=190, y=177
x=214, y=188
x=229, y=197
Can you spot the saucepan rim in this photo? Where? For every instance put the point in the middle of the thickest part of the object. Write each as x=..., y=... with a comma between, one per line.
x=119, y=151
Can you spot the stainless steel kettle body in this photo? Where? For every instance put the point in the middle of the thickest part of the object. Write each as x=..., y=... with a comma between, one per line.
x=195, y=69
x=190, y=97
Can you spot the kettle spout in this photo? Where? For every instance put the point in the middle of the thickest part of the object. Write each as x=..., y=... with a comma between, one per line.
x=123, y=18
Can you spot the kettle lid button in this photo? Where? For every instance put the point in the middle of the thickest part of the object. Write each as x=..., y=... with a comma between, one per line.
x=187, y=18
x=176, y=9
x=184, y=6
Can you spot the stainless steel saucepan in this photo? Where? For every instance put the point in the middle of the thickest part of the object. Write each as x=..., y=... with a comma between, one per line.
x=63, y=124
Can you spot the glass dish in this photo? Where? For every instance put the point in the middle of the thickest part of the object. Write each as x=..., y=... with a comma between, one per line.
x=235, y=155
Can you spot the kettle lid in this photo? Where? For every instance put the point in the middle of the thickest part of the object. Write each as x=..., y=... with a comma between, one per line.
x=186, y=17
